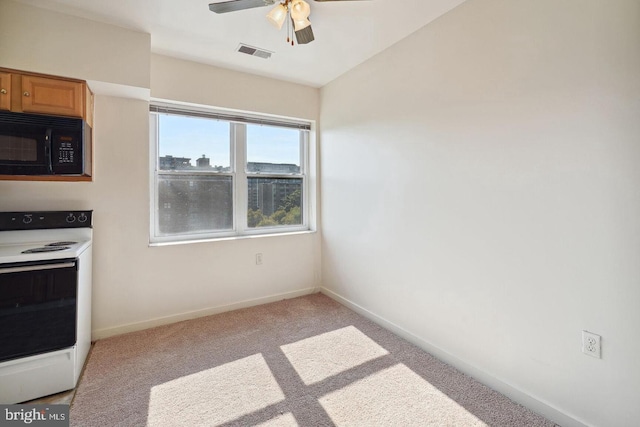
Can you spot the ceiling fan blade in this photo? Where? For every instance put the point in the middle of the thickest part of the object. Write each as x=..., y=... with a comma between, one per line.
x=305, y=35
x=235, y=5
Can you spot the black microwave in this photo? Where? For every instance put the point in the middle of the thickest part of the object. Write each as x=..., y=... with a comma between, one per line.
x=32, y=144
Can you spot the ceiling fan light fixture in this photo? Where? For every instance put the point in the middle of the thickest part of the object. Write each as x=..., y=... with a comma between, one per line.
x=300, y=10
x=295, y=12
x=301, y=24
x=277, y=16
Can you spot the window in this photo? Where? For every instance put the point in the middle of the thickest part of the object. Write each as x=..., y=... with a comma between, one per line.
x=217, y=174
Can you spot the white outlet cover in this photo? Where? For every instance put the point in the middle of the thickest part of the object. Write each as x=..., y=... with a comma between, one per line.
x=591, y=344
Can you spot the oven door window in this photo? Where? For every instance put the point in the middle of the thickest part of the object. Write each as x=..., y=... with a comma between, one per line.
x=37, y=307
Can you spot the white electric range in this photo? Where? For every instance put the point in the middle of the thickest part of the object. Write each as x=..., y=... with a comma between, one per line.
x=45, y=302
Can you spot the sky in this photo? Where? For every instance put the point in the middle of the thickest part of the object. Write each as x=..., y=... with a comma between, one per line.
x=191, y=137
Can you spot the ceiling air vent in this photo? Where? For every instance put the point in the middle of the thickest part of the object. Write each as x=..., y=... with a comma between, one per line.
x=254, y=51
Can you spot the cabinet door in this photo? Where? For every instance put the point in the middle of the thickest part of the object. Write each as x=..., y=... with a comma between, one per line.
x=51, y=96
x=5, y=91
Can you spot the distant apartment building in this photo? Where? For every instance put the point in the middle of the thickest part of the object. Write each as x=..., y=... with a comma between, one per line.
x=173, y=163
x=276, y=168
x=188, y=203
x=205, y=202
x=268, y=194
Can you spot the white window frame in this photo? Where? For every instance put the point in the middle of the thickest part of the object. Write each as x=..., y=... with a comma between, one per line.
x=239, y=174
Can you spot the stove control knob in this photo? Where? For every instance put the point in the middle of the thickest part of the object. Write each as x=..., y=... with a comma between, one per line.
x=27, y=219
x=71, y=218
x=82, y=217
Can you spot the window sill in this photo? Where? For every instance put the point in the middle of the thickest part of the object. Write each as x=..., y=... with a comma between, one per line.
x=231, y=238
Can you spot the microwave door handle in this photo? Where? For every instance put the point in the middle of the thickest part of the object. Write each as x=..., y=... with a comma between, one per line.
x=47, y=151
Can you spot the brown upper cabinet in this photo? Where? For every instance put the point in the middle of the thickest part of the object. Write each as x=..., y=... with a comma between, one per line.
x=25, y=92
x=51, y=96
x=5, y=91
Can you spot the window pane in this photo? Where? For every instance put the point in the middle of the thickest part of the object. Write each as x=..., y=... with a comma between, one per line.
x=194, y=204
x=193, y=143
x=273, y=149
x=274, y=201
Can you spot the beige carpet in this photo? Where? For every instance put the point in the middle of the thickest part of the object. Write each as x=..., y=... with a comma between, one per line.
x=301, y=362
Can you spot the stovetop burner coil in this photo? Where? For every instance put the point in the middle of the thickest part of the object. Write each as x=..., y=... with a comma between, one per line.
x=61, y=243
x=45, y=249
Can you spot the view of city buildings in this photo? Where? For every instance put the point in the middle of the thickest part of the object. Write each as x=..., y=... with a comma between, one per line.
x=203, y=203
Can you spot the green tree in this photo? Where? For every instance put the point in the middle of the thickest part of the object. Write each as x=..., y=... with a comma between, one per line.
x=267, y=222
x=254, y=217
x=278, y=216
x=290, y=201
x=293, y=217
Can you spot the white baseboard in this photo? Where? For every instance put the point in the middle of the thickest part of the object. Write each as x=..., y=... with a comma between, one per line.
x=508, y=390
x=159, y=321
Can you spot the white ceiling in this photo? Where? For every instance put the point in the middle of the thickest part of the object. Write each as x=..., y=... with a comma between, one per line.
x=346, y=32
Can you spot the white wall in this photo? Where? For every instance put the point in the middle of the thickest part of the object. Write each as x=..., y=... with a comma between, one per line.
x=480, y=192
x=137, y=286
x=44, y=41
x=180, y=80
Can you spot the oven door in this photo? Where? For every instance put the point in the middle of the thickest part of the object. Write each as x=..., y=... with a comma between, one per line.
x=37, y=307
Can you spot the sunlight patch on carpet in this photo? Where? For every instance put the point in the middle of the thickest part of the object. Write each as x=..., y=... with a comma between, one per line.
x=284, y=420
x=331, y=353
x=215, y=395
x=395, y=396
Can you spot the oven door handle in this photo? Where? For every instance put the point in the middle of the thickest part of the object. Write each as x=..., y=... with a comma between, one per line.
x=36, y=267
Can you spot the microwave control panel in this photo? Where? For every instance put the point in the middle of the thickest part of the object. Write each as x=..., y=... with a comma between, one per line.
x=66, y=152
x=66, y=149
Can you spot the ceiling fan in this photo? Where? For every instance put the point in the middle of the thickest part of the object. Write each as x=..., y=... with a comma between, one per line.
x=297, y=12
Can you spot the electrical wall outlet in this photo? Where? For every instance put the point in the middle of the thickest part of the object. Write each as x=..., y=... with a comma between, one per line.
x=591, y=344
x=259, y=259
